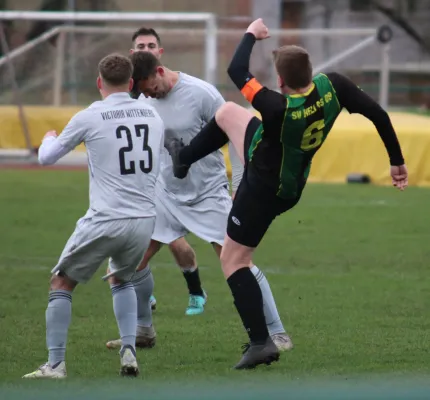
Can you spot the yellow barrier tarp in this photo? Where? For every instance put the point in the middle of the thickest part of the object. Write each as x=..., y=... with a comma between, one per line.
x=353, y=145
x=39, y=120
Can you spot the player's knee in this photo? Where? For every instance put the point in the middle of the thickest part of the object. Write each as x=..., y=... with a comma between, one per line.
x=234, y=256
x=229, y=264
x=233, y=119
x=62, y=282
x=225, y=112
x=228, y=258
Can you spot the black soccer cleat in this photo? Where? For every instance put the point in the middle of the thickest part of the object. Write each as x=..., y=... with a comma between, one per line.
x=174, y=147
x=256, y=354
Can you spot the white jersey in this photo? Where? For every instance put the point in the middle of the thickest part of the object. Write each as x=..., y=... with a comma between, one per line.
x=123, y=138
x=186, y=109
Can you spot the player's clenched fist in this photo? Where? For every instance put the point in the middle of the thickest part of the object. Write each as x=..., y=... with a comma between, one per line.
x=50, y=134
x=258, y=29
x=399, y=176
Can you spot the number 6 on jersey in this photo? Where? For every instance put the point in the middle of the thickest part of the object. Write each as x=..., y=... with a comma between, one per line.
x=146, y=163
x=313, y=135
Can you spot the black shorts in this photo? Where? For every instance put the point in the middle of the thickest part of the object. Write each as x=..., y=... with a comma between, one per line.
x=254, y=206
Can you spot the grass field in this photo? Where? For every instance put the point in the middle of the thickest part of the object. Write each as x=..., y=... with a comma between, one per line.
x=348, y=268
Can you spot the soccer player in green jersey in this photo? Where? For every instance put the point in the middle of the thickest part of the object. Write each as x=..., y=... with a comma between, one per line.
x=277, y=153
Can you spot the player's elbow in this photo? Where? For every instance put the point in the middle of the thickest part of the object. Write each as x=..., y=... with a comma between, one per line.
x=384, y=114
x=381, y=111
x=231, y=71
x=380, y=116
x=44, y=159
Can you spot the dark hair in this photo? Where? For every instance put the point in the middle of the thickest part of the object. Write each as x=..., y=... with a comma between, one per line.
x=146, y=32
x=115, y=69
x=144, y=66
x=293, y=66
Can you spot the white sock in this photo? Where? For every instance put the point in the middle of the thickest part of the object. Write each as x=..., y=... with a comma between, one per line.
x=273, y=320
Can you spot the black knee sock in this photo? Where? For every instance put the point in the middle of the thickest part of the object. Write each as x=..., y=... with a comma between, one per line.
x=193, y=282
x=249, y=303
x=208, y=140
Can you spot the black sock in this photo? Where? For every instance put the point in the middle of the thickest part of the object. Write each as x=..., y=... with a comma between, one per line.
x=249, y=303
x=209, y=139
x=193, y=282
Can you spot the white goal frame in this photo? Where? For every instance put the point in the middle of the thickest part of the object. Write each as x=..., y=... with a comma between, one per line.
x=208, y=19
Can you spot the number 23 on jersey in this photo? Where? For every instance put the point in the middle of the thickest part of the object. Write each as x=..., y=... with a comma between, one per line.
x=145, y=161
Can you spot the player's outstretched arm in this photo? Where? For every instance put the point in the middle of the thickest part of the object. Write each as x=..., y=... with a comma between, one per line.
x=55, y=147
x=357, y=101
x=51, y=149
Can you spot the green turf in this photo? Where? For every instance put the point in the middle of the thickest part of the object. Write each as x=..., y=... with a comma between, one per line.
x=348, y=268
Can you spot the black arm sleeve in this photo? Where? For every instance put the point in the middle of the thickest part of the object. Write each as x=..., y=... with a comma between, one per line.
x=238, y=70
x=264, y=100
x=356, y=101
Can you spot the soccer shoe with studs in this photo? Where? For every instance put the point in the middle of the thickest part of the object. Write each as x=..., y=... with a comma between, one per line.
x=282, y=341
x=174, y=147
x=45, y=371
x=145, y=339
x=129, y=365
x=256, y=354
x=196, y=304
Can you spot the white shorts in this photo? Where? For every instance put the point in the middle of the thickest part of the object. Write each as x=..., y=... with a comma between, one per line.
x=124, y=241
x=206, y=219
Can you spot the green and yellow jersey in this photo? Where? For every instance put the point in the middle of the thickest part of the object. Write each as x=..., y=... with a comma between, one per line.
x=307, y=120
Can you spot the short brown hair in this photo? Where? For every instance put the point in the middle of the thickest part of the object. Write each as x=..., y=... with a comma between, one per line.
x=116, y=69
x=145, y=66
x=293, y=66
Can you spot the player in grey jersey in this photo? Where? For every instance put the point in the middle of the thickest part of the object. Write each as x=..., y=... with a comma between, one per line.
x=201, y=203
x=123, y=138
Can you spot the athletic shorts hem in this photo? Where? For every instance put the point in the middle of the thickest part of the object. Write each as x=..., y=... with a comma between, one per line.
x=159, y=238
x=123, y=242
x=253, y=211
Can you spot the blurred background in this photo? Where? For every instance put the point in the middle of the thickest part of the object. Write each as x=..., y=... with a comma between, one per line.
x=348, y=266
x=185, y=43
x=50, y=50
